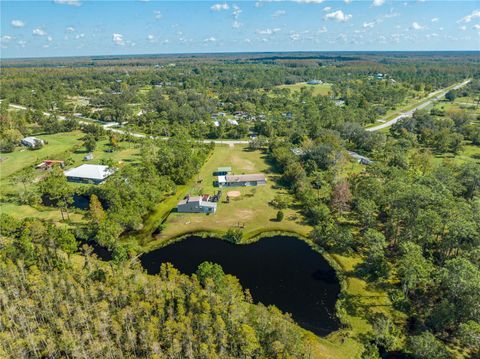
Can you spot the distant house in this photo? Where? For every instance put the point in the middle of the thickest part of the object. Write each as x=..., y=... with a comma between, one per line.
x=242, y=180
x=314, y=82
x=32, y=142
x=87, y=173
x=88, y=157
x=360, y=159
x=222, y=171
x=196, y=204
x=232, y=122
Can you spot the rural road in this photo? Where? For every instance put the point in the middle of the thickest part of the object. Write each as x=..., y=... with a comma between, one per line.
x=437, y=95
x=108, y=127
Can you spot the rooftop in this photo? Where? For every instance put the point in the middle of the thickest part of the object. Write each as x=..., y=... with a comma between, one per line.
x=88, y=171
x=242, y=178
x=224, y=169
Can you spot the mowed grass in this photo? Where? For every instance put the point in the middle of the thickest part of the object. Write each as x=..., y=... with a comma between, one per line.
x=320, y=89
x=23, y=157
x=61, y=146
x=252, y=211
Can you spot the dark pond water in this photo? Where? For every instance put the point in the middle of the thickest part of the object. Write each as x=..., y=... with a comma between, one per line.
x=279, y=270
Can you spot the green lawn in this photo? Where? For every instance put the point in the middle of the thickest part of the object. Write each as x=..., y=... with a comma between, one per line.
x=23, y=157
x=61, y=146
x=251, y=210
x=320, y=89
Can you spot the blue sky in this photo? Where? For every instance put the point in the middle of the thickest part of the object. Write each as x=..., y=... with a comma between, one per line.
x=86, y=27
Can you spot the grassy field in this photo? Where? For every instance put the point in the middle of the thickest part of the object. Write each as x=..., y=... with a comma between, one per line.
x=320, y=89
x=251, y=211
x=61, y=146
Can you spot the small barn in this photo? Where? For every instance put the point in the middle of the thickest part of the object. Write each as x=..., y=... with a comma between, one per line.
x=242, y=180
x=88, y=173
x=222, y=171
x=196, y=204
x=32, y=142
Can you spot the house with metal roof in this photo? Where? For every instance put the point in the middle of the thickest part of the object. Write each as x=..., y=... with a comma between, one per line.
x=196, y=204
x=241, y=180
x=88, y=173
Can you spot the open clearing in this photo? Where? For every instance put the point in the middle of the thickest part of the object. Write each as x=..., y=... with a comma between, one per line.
x=251, y=211
x=319, y=89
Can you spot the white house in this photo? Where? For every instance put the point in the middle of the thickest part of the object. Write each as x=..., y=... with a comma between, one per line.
x=88, y=173
x=241, y=180
x=196, y=204
x=32, y=142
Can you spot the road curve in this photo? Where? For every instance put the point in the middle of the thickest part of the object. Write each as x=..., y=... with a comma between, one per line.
x=437, y=95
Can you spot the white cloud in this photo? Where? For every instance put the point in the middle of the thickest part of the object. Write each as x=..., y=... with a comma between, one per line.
x=6, y=38
x=322, y=29
x=49, y=39
x=118, y=39
x=17, y=23
x=347, y=1
x=279, y=13
x=295, y=36
x=157, y=14
x=68, y=2
x=237, y=24
x=151, y=38
x=417, y=26
x=21, y=43
x=210, y=39
x=39, y=32
x=79, y=36
x=268, y=31
x=309, y=1
x=247, y=40
x=435, y=19
x=236, y=11
x=220, y=7
x=70, y=29
x=368, y=25
x=463, y=27
x=476, y=26
x=378, y=2
x=475, y=14
x=327, y=8
x=338, y=16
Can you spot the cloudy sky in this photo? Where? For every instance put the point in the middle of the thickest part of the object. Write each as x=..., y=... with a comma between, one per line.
x=87, y=27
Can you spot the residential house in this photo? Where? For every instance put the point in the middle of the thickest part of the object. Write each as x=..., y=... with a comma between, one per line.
x=88, y=173
x=241, y=180
x=196, y=204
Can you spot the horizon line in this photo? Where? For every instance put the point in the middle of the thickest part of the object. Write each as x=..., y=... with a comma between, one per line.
x=172, y=54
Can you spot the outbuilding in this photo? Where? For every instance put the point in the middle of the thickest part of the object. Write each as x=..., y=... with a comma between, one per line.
x=88, y=173
x=32, y=142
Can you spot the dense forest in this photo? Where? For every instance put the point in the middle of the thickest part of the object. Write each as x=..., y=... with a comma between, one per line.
x=412, y=214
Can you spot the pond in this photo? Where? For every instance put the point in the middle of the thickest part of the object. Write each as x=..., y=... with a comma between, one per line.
x=280, y=270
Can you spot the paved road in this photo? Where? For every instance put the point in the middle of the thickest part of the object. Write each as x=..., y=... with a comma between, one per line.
x=108, y=127
x=437, y=95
